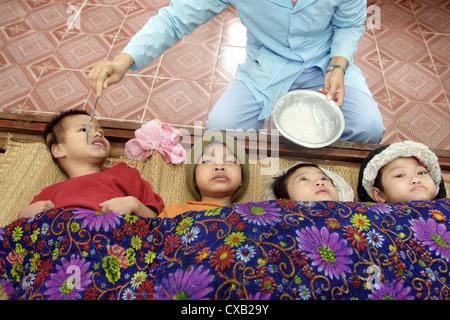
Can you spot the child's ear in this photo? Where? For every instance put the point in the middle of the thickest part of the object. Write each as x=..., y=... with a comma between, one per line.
x=58, y=151
x=377, y=195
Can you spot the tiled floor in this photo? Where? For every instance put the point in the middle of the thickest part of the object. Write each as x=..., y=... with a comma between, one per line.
x=44, y=63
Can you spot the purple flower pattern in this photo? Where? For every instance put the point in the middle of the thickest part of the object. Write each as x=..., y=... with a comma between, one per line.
x=329, y=253
x=98, y=220
x=391, y=291
x=433, y=235
x=69, y=281
x=190, y=284
x=262, y=213
x=255, y=250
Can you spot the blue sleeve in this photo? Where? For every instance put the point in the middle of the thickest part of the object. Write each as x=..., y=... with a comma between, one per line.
x=348, y=26
x=164, y=30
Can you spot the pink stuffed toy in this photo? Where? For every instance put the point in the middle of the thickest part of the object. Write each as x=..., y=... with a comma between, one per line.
x=158, y=136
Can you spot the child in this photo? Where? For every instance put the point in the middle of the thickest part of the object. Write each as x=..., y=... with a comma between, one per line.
x=118, y=189
x=308, y=182
x=217, y=174
x=402, y=171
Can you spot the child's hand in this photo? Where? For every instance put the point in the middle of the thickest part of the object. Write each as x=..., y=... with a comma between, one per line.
x=122, y=205
x=34, y=208
x=127, y=205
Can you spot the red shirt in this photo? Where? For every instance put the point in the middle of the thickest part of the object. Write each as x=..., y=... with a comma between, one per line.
x=90, y=190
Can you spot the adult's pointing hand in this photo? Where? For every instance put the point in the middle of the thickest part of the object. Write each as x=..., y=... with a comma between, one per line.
x=106, y=73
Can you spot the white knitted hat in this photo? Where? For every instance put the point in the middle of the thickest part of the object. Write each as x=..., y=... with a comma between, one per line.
x=380, y=157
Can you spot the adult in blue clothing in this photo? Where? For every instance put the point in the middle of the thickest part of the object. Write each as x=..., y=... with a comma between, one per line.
x=307, y=44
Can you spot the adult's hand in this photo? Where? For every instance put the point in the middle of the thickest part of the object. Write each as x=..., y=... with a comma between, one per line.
x=106, y=73
x=334, y=87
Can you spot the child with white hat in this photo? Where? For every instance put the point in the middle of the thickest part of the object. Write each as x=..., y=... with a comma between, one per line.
x=402, y=171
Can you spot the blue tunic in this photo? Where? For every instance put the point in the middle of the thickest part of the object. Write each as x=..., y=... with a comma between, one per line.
x=282, y=39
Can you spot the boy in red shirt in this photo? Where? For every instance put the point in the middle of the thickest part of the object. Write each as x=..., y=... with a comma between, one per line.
x=118, y=189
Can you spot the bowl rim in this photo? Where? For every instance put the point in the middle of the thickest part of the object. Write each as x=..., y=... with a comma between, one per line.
x=276, y=111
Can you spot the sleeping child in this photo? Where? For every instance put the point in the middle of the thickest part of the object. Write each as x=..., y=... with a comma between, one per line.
x=308, y=182
x=217, y=175
x=118, y=189
x=399, y=172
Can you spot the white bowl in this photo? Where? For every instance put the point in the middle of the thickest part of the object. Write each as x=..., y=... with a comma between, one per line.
x=307, y=118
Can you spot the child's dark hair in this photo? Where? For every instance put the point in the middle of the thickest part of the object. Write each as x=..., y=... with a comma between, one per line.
x=279, y=186
x=377, y=183
x=54, y=132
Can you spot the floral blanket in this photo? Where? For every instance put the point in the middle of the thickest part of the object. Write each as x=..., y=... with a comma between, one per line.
x=264, y=250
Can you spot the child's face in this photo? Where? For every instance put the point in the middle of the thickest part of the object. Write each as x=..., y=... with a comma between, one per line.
x=310, y=184
x=218, y=173
x=404, y=179
x=75, y=145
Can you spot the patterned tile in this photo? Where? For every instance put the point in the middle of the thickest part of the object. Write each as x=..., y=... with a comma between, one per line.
x=388, y=116
x=102, y=20
x=438, y=3
x=125, y=100
x=434, y=19
x=371, y=69
x=439, y=46
x=151, y=4
x=13, y=12
x=367, y=47
x=57, y=90
x=30, y=48
x=8, y=34
x=189, y=61
x=414, y=82
x=444, y=75
x=179, y=101
x=16, y=83
x=396, y=15
x=49, y=16
x=81, y=51
x=112, y=2
x=400, y=45
x=135, y=20
x=423, y=122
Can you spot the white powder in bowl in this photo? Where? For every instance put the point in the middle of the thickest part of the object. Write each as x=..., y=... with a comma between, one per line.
x=304, y=123
x=308, y=119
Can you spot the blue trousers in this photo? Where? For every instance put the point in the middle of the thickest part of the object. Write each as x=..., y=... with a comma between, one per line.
x=237, y=109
